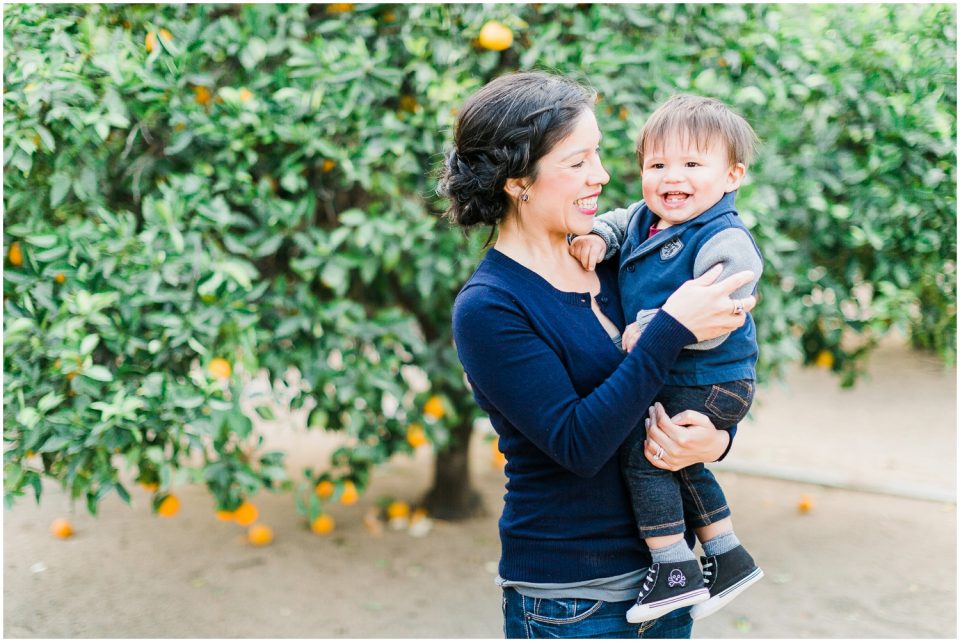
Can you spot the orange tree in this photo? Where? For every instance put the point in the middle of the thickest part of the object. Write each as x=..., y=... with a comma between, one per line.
x=193, y=191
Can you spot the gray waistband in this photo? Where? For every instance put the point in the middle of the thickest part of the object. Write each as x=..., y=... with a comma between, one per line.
x=618, y=588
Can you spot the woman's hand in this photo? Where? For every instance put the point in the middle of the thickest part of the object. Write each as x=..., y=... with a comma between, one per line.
x=706, y=309
x=686, y=439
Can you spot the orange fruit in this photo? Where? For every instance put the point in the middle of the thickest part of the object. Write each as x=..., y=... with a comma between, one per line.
x=418, y=514
x=398, y=510
x=150, y=42
x=623, y=114
x=350, y=495
x=224, y=515
x=260, y=535
x=416, y=437
x=328, y=165
x=169, y=507
x=60, y=278
x=389, y=16
x=245, y=94
x=219, y=368
x=324, y=489
x=15, y=254
x=150, y=486
x=323, y=525
x=408, y=103
x=805, y=505
x=71, y=375
x=825, y=359
x=202, y=95
x=340, y=7
x=434, y=407
x=495, y=36
x=61, y=528
x=497, y=458
x=246, y=514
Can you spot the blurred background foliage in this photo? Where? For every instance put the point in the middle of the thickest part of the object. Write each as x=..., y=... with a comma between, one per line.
x=194, y=192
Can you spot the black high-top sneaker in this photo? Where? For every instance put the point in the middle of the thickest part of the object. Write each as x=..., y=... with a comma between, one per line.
x=726, y=575
x=667, y=587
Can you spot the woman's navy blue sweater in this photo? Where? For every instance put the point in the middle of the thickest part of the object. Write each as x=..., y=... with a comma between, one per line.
x=562, y=398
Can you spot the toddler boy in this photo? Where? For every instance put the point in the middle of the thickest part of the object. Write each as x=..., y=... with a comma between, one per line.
x=693, y=155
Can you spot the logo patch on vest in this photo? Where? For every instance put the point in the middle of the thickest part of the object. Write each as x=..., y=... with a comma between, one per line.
x=670, y=249
x=676, y=578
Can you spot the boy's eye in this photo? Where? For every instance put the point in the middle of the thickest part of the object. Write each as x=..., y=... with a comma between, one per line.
x=692, y=163
x=656, y=166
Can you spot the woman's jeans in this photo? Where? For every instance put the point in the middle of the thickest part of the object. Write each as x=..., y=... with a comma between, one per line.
x=531, y=617
x=664, y=502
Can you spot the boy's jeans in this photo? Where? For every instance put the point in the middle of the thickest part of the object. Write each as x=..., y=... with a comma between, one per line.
x=664, y=502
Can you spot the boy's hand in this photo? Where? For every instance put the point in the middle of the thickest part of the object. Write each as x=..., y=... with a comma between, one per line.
x=630, y=335
x=589, y=250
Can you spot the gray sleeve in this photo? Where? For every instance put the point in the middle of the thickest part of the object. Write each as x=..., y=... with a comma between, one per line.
x=734, y=248
x=612, y=227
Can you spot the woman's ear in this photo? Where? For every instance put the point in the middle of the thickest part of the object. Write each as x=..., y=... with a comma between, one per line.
x=515, y=187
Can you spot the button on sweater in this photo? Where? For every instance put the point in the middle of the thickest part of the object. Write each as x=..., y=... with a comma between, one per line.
x=562, y=398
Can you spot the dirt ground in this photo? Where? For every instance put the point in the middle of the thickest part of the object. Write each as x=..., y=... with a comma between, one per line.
x=858, y=565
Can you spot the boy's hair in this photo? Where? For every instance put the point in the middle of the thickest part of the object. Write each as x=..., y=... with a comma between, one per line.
x=702, y=121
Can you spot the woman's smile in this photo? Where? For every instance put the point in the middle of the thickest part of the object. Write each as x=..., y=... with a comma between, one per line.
x=588, y=204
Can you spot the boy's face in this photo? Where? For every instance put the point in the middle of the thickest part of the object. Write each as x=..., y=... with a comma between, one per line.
x=682, y=181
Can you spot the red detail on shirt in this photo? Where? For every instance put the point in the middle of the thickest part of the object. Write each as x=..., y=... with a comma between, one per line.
x=653, y=230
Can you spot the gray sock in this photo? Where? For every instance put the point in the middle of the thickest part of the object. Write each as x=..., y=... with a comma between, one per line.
x=720, y=544
x=678, y=552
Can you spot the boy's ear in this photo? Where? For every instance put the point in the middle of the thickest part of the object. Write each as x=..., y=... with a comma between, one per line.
x=515, y=187
x=735, y=176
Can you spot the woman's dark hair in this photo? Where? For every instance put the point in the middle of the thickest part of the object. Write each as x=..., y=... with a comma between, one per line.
x=502, y=132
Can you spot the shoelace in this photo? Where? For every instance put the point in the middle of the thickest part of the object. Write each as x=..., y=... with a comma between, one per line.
x=646, y=588
x=707, y=574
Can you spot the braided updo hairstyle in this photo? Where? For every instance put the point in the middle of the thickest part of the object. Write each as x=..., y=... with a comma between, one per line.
x=502, y=132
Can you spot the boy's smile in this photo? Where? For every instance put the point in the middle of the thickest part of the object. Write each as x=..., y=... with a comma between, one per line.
x=682, y=181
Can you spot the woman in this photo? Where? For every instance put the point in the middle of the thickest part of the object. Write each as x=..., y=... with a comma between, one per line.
x=538, y=337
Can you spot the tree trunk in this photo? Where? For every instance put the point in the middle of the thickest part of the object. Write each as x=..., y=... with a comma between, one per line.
x=452, y=496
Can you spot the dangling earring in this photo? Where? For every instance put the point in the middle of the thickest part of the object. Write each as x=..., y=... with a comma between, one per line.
x=525, y=198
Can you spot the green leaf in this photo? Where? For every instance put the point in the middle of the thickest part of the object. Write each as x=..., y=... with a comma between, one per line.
x=334, y=276
x=42, y=241
x=59, y=188
x=54, y=444
x=253, y=53
x=49, y=401
x=89, y=343
x=98, y=373
x=750, y=94
x=266, y=412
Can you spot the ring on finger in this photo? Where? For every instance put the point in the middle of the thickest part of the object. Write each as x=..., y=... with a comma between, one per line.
x=738, y=307
x=659, y=454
